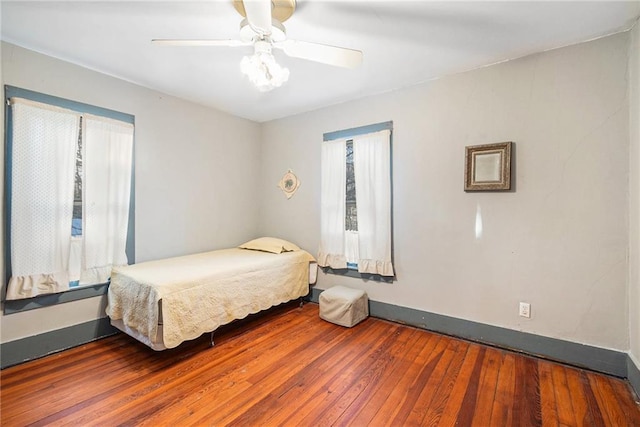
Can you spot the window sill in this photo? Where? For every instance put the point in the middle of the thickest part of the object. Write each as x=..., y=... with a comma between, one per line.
x=348, y=272
x=90, y=291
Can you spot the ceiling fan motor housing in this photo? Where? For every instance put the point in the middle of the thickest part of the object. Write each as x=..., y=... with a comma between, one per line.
x=280, y=9
x=247, y=33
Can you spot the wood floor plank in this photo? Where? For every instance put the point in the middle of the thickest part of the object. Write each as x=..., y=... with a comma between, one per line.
x=607, y=402
x=487, y=387
x=432, y=412
x=502, y=410
x=548, y=406
x=288, y=367
x=564, y=406
x=579, y=401
x=470, y=400
x=527, y=410
x=455, y=403
x=627, y=399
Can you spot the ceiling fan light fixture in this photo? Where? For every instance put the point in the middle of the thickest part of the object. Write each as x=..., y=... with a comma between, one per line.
x=263, y=71
x=262, y=27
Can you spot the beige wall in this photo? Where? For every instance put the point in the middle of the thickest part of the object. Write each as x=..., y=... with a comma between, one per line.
x=634, y=195
x=559, y=241
x=195, y=170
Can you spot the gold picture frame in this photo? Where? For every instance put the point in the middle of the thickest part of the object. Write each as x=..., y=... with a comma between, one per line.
x=488, y=167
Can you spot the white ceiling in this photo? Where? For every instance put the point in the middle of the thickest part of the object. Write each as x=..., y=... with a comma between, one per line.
x=404, y=43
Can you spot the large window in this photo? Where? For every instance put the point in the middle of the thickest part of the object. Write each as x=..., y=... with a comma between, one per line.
x=356, y=206
x=68, y=189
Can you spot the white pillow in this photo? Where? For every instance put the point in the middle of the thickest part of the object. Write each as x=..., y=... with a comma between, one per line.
x=270, y=244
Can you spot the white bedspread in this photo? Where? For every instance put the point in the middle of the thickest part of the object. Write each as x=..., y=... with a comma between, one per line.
x=201, y=292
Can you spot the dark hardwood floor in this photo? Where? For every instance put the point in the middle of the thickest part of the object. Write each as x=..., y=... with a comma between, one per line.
x=291, y=368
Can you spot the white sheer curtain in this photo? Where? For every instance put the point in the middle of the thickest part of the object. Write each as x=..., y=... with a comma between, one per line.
x=43, y=164
x=332, y=204
x=108, y=153
x=372, y=170
x=351, y=249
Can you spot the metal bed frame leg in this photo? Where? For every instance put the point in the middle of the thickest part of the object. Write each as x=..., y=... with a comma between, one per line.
x=212, y=343
x=301, y=302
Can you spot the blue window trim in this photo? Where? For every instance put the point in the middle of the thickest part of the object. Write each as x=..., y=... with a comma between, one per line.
x=362, y=130
x=12, y=91
x=15, y=306
x=352, y=269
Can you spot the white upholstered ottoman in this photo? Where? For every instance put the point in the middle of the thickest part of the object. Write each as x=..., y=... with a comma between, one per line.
x=344, y=306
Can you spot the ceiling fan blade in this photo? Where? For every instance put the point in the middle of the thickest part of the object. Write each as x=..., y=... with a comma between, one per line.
x=259, y=15
x=331, y=55
x=180, y=42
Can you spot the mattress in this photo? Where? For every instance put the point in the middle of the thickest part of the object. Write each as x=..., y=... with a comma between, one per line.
x=163, y=303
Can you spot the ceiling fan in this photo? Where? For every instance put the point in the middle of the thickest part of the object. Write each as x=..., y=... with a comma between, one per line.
x=262, y=27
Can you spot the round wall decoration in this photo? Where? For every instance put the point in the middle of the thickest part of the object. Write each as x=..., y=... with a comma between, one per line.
x=289, y=184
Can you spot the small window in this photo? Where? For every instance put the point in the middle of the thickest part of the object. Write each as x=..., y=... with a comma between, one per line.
x=76, y=220
x=356, y=214
x=351, y=214
x=351, y=211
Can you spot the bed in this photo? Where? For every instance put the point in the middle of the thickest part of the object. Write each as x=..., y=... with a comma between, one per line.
x=166, y=302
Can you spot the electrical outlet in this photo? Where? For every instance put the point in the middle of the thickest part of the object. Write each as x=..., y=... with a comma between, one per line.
x=525, y=309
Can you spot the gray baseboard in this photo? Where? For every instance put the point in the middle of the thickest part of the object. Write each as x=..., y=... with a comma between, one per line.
x=594, y=358
x=633, y=375
x=22, y=350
